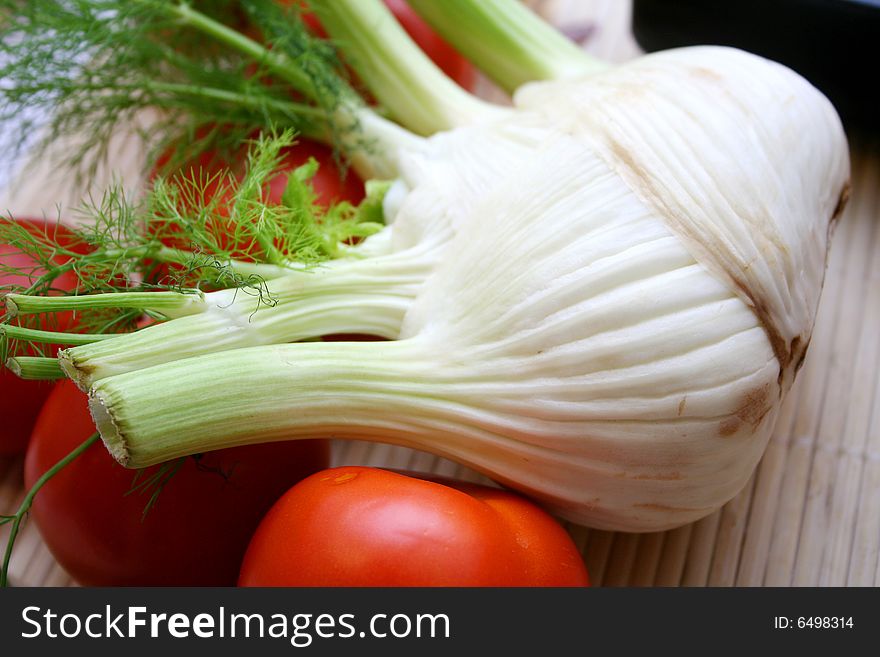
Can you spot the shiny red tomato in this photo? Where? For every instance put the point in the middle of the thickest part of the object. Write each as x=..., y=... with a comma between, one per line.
x=20, y=401
x=329, y=184
x=198, y=529
x=357, y=526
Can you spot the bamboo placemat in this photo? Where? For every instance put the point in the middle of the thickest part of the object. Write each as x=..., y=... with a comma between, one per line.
x=810, y=515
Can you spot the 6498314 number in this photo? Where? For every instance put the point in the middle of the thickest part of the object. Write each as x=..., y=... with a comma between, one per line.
x=824, y=622
x=813, y=622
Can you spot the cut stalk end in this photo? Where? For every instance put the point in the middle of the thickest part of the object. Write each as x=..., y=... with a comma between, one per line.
x=13, y=366
x=11, y=305
x=80, y=378
x=106, y=425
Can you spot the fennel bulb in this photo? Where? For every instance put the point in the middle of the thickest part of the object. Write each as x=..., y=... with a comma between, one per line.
x=613, y=326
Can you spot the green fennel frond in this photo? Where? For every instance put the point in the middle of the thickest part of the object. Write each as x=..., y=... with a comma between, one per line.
x=196, y=230
x=96, y=65
x=153, y=483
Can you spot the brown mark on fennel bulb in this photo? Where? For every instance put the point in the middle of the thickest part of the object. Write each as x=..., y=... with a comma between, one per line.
x=644, y=186
x=752, y=410
x=705, y=73
x=706, y=136
x=842, y=201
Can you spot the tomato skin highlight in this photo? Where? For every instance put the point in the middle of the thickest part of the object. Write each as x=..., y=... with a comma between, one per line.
x=20, y=401
x=199, y=528
x=359, y=526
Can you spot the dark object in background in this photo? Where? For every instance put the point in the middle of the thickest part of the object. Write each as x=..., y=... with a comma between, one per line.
x=833, y=43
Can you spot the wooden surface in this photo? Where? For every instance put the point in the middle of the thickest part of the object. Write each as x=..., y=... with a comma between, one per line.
x=810, y=515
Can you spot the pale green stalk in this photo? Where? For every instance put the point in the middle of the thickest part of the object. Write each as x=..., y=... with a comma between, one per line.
x=35, y=368
x=506, y=40
x=262, y=394
x=367, y=296
x=283, y=108
x=278, y=63
x=372, y=141
x=416, y=92
x=170, y=304
x=51, y=337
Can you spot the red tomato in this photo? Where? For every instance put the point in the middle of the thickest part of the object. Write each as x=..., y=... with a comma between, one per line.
x=357, y=526
x=329, y=184
x=20, y=401
x=199, y=528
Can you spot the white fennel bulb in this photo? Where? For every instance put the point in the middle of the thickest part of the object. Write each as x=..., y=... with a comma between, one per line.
x=612, y=326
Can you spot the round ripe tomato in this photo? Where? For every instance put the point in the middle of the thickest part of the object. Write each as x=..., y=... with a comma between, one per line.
x=199, y=528
x=329, y=183
x=20, y=401
x=357, y=526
